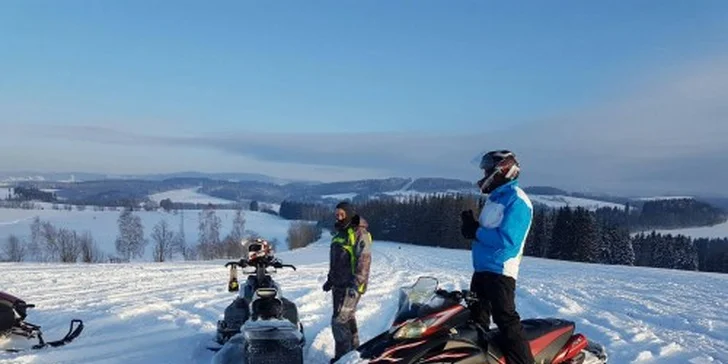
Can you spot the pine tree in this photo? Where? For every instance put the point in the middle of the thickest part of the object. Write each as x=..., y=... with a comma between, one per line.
x=585, y=236
x=560, y=243
x=621, y=246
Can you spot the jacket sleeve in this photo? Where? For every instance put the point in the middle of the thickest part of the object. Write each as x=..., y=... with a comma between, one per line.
x=512, y=230
x=364, y=260
x=331, y=263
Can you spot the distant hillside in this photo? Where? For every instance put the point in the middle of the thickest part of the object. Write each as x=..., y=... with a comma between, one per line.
x=125, y=191
x=29, y=176
x=544, y=190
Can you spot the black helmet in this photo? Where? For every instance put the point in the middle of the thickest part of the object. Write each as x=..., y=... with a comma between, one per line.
x=499, y=167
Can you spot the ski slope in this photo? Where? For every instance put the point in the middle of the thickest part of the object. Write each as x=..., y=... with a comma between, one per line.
x=166, y=312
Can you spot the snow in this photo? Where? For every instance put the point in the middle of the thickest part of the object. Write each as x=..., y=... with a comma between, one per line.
x=715, y=231
x=189, y=195
x=342, y=196
x=166, y=312
x=103, y=224
x=659, y=198
x=557, y=201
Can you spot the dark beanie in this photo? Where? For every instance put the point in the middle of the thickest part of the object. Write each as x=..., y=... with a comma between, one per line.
x=347, y=207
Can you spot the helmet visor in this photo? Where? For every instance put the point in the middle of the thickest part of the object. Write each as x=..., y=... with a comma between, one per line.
x=255, y=247
x=487, y=163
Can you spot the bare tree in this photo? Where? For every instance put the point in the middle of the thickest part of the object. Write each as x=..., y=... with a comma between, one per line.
x=301, y=234
x=68, y=246
x=209, y=245
x=49, y=236
x=234, y=242
x=89, y=251
x=238, y=230
x=163, y=241
x=14, y=249
x=180, y=239
x=35, y=246
x=131, y=242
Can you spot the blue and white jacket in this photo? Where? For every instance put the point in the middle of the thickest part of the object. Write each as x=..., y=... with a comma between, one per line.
x=504, y=223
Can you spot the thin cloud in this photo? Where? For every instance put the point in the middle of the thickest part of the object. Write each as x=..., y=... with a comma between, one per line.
x=669, y=136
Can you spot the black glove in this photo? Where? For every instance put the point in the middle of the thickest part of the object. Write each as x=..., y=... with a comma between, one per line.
x=327, y=286
x=469, y=225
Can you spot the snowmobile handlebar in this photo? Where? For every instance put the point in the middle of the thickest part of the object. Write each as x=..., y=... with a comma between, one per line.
x=463, y=295
x=281, y=265
x=242, y=263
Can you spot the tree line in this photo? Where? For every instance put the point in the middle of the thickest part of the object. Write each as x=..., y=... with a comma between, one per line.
x=603, y=236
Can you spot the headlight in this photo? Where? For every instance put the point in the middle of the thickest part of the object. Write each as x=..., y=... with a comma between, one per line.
x=413, y=329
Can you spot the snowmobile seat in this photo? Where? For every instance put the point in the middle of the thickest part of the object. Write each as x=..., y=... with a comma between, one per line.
x=546, y=337
x=290, y=311
x=266, y=304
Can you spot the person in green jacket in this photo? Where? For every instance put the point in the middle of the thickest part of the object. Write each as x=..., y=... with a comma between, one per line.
x=349, y=261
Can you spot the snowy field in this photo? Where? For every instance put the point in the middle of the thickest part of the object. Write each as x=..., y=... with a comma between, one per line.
x=104, y=229
x=715, y=231
x=166, y=312
x=189, y=195
x=557, y=201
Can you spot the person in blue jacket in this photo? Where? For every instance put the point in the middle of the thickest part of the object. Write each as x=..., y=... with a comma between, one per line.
x=498, y=237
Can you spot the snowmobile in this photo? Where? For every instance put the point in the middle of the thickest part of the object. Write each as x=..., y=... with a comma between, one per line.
x=13, y=312
x=260, y=325
x=433, y=325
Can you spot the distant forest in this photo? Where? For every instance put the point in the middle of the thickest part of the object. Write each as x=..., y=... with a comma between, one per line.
x=606, y=235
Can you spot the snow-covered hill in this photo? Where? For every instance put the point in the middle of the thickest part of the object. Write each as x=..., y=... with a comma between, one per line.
x=552, y=201
x=715, y=231
x=660, y=198
x=189, y=195
x=166, y=313
x=557, y=201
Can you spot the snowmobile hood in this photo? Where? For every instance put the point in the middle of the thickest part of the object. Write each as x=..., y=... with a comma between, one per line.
x=8, y=297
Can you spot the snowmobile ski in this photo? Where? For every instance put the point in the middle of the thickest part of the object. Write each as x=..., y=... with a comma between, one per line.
x=30, y=331
x=13, y=312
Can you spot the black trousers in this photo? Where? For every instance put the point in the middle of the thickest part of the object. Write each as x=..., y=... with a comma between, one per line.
x=496, y=296
x=343, y=321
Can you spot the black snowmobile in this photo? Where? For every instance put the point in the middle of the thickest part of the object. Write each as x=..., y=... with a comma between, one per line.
x=260, y=325
x=13, y=312
x=433, y=326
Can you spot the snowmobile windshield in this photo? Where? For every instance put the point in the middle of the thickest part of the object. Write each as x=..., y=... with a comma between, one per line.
x=411, y=299
x=436, y=303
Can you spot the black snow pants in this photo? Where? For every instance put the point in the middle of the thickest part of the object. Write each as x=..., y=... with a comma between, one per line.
x=496, y=296
x=343, y=321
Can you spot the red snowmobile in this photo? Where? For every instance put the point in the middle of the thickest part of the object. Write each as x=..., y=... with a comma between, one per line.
x=13, y=312
x=433, y=326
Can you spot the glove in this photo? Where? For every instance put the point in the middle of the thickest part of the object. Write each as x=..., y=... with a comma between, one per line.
x=327, y=286
x=352, y=292
x=469, y=225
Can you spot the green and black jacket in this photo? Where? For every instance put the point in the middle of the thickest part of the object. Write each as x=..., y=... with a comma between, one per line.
x=350, y=257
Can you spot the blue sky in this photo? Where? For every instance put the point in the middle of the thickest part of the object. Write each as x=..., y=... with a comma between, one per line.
x=296, y=73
